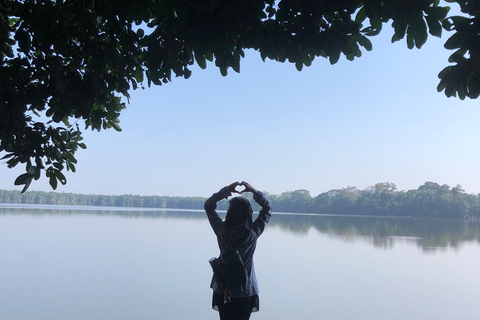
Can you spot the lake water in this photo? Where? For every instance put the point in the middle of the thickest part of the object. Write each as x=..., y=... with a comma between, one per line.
x=106, y=263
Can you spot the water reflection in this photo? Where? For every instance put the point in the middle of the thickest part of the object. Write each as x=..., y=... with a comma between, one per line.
x=384, y=232
x=430, y=235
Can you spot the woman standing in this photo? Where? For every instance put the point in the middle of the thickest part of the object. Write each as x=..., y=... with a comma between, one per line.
x=238, y=232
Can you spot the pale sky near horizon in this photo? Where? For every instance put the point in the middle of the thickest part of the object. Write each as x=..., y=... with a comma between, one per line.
x=376, y=119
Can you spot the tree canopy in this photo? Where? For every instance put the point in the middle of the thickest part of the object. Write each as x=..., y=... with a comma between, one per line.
x=69, y=63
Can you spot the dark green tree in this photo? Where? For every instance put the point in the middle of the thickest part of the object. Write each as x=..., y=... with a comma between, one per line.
x=68, y=63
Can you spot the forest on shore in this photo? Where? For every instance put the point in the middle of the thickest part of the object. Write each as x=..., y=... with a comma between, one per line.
x=383, y=199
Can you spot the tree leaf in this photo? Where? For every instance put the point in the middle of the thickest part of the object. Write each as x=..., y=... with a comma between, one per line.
x=461, y=92
x=138, y=74
x=23, y=179
x=361, y=15
x=9, y=155
x=299, y=65
x=421, y=33
x=115, y=126
x=410, y=42
x=27, y=185
x=60, y=176
x=53, y=182
x=202, y=63
x=458, y=56
x=456, y=41
x=71, y=166
x=334, y=58
x=224, y=70
x=365, y=42
x=209, y=56
x=434, y=26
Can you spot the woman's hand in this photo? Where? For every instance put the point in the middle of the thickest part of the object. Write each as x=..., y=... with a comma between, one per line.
x=248, y=187
x=232, y=186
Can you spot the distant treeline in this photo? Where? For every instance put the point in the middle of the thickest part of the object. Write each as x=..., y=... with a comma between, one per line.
x=126, y=200
x=382, y=199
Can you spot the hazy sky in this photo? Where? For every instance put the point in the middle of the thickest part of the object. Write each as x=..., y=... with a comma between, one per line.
x=376, y=119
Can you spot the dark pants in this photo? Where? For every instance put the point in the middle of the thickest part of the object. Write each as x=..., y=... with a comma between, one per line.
x=238, y=309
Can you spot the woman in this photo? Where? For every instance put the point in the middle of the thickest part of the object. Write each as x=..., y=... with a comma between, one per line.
x=239, y=232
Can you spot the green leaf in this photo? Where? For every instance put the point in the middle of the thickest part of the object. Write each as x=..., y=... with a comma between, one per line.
x=187, y=73
x=473, y=87
x=224, y=70
x=365, y=42
x=60, y=177
x=461, y=22
x=36, y=175
x=27, y=185
x=441, y=86
x=13, y=162
x=71, y=166
x=299, y=65
x=437, y=12
x=457, y=40
x=202, y=63
x=376, y=23
x=361, y=15
x=53, y=182
x=71, y=158
x=410, y=42
x=236, y=65
x=461, y=93
x=434, y=26
x=65, y=121
x=34, y=171
x=447, y=25
x=458, y=56
x=450, y=90
x=395, y=38
x=23, y=179
x=400, y=27
x=138, y=74
x=263, y=56
x=115, y=126
x=58, y=165
x=209, y=56
x=421, y=33
x=9, y=155
x=334, y=58
x=8, y=51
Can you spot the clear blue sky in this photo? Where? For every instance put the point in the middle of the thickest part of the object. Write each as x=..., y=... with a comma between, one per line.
x=376, y=119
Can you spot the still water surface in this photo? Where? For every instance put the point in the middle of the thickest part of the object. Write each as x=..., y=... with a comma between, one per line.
x=105, y=263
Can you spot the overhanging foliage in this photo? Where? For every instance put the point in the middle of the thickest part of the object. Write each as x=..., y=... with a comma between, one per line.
x=64, y=63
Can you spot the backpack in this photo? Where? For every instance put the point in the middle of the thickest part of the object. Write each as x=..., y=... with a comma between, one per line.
x=230, y=274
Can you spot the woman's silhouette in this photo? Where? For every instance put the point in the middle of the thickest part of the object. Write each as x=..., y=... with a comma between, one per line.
x=238, y=232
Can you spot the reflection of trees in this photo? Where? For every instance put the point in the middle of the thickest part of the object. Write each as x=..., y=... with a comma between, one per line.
x=384, y=232
x=129, y=213
x=381, y=232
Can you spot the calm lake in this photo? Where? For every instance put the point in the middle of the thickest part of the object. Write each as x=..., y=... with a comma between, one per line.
x=77, y=263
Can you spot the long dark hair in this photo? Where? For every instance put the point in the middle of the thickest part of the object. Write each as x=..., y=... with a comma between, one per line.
x=238, y=221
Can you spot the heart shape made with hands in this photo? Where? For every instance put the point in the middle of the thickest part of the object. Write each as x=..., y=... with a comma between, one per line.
x=240, y=189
